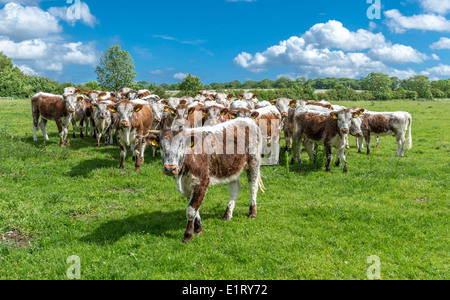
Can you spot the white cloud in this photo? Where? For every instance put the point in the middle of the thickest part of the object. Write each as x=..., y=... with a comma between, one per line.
x=74, y=13
x=399, y=54
x=21, y=23
x=77, y=53
x=27, y=70
x=440, y=71
x=334, y=35
x=30, y=49
x=427, y=22
x=443, y=43
x=329, y=50
x=180, y=76
x=441, y=7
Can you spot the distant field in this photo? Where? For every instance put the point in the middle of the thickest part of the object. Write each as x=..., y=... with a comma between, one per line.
x=56, y=203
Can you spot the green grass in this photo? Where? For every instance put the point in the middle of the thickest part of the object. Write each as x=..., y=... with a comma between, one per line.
x=310, y=225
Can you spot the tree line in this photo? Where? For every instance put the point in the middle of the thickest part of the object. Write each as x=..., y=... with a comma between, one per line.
x=116, y=70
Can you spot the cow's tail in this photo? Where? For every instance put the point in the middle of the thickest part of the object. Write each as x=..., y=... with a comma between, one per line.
x=409, y=140
x=261, y=184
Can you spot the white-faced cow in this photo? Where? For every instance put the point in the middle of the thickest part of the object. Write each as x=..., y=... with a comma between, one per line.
x=104, y=121
x=134, y=122
x=201, y=157
x=59, y=109
x=330, y=130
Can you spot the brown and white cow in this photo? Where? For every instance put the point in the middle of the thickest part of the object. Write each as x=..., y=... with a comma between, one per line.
x=387, y=123
x=82, y=115
x=134, y=122
x=55, y=108
x=104, y=121
x=201, y=157
x=330, y=130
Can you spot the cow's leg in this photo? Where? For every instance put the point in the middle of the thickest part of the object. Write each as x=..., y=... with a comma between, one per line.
x=329, y=154
x=92, y=127
x=66, y=134
x=123, y=154
x=359, y=144
x=347, y=145
x=82, y=127
x=74, y=128
x=401, y=140
x=43, y=126
x=253, y=176
x=142, y=151
x=98, y=134
x=137, y=151
x=192, y=215
x=61, y=133
x=111, y=136
x=368, y=138
x=378, y=142
x=310, y=149
x=233, y=190
x=341, y=154
x=35, y=125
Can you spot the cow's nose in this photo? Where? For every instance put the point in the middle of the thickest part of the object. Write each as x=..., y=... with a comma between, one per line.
x=124, y=124
x=102, y=117
x=284, y=114
x=170, y=170
x=345, y=130
x=72, y=109
x=359, y=134
x=158, y=119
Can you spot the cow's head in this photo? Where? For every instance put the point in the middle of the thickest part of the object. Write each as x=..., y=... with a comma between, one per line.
x=344, y=119
x=244, y=113
x=158, y=110
x=173, y=145
x=125, y=111
x=355, y=128
x=101, y=111
x=72, y=101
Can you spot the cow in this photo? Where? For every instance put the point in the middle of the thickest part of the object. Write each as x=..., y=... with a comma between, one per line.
x=104, y=122
x=134, y=122
x=56, y=108
x=295, y=107
x=201, y=157
x=387, y=123
x=83, y=115
x=330, y=130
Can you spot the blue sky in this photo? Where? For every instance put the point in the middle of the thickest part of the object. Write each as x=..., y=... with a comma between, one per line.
x=225, y=40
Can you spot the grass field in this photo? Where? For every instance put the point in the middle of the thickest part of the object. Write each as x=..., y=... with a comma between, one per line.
x=56, y=203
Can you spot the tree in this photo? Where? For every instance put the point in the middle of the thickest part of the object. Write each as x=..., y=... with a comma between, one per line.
x=116, y=69
x=379, y=84
x=5, y=61
x=190, y=85
x=420, y=84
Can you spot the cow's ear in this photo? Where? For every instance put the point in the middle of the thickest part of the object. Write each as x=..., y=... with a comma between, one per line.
x=255, y=114
x=191, y=110
x=224, y=111
x=292, y=103
x=77, y=92
x=334, y=115
x=255, y=96
x=138, y=108
x=80, y=98
x=183, y=102
x=112, y=108
x=358, y=113
x=233, y=115
x=273, y=102
x=95, y=106
x=152, y=140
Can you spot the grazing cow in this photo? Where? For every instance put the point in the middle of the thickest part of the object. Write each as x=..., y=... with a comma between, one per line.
x=329, y=129
x=134, y=122
x=104, y=122
x=387, y=123
x=59, y=109
x=202, y=157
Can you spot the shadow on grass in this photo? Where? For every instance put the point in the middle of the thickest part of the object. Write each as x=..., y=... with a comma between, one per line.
x=155, y=223
x=85, y=167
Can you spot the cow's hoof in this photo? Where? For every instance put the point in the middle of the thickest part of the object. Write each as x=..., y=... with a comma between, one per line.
x=187, y=238
x=252, y=212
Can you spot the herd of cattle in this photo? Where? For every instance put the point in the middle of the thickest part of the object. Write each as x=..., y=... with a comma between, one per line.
x=212, y=138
